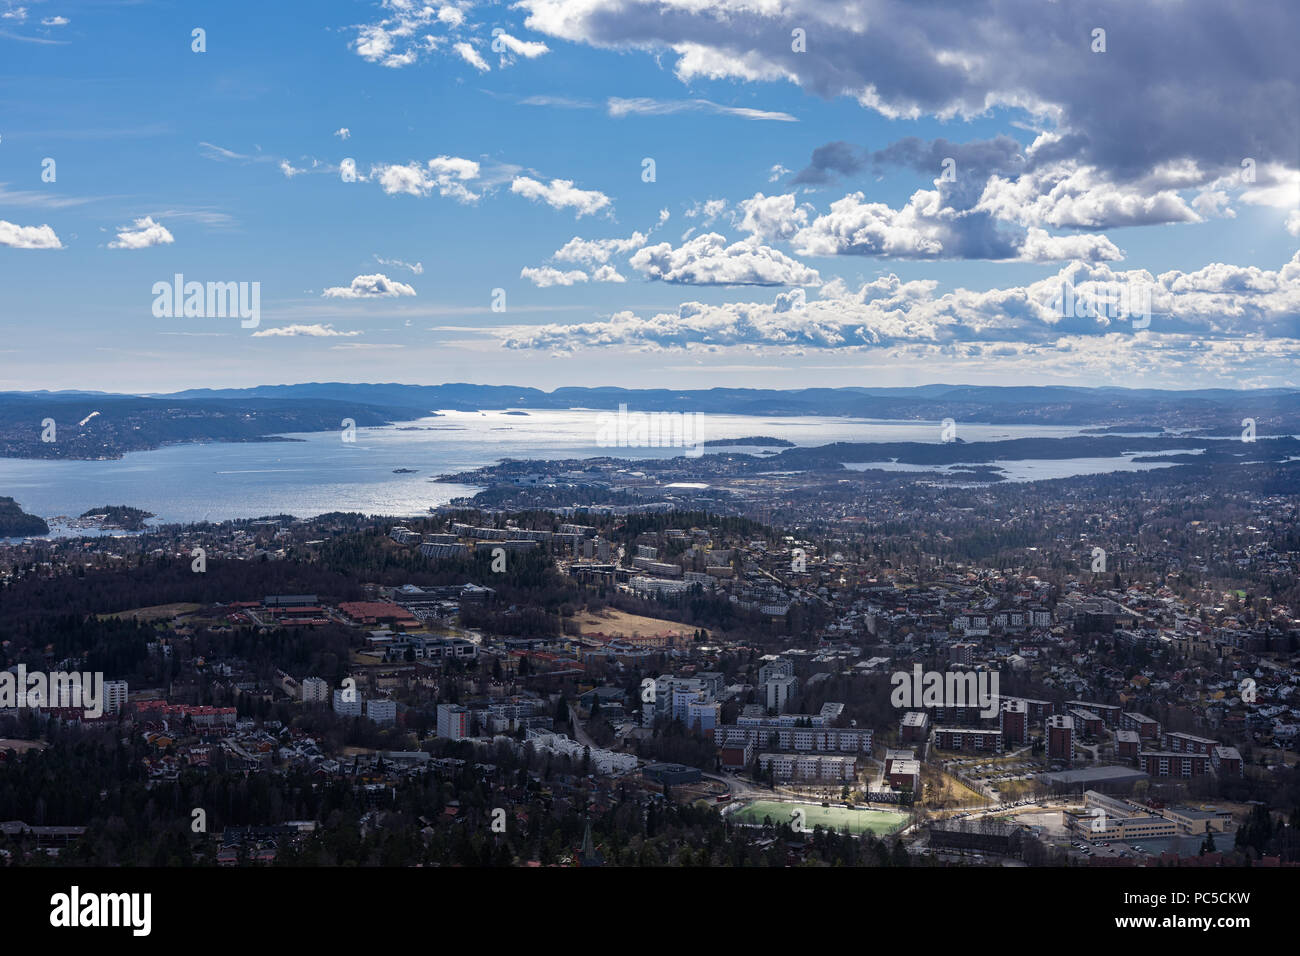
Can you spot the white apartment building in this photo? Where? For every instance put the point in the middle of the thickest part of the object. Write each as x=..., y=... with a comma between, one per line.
x=809, y=766
x=115, y=692
x=345, y=707
x=778, y=692
x=315, y=691
x=381, y=711
x=453, y=721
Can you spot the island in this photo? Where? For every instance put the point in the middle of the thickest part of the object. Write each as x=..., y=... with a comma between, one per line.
x=119, y=516
x=761, y=441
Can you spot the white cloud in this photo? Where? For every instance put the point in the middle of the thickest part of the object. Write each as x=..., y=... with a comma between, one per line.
x=417, y=268
x=55, y=22
x=471, y=56
x=294, y=331
x=645, y=106
x=369, y=287
x=592, y=251
x=561, y=194
x=857, y=227
x=410, y=30
x=709, y=260
x=1065, y=195
x=288, y=169
x=28, y=237
x=772, y=217
x=1039, y=246
x=707, y=211
x=928, y=228
x=1221, y=307
x=1275, y=186
x=529, y=49
x=142, y=235
x=343, y=133
x=544, y=276
x=447, y=174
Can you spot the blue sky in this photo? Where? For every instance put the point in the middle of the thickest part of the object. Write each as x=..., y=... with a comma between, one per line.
x=798, y=231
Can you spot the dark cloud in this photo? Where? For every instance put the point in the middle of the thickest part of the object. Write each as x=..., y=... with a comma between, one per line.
x=1202, y=80
x=830, y=162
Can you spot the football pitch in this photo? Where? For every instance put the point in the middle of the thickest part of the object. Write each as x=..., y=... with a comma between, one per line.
x=835, y=818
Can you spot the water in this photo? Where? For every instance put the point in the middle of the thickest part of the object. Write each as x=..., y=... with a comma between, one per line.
x=321, y=473
x=1031, y=469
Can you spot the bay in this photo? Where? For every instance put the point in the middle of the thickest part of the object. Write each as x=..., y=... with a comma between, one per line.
x=319, y=472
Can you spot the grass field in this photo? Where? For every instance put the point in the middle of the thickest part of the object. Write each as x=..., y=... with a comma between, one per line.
x=613, y=622
x=158, y=612
x=815, y=815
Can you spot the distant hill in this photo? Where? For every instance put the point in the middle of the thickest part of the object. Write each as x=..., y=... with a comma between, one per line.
x=994, y=405
x=109, y=426
x=92, y=425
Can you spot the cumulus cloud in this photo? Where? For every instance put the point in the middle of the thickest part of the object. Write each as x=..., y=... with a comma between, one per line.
x=545, y=276
x=772, y=217
x=927, y=228
x=343, y=133
x=592, y=251
x=294, y=331
x=446, y=174
x=709, y=260
x=28, y=237
x=560, y=194
x=1039, y=246
x=1065, y=195
x=369, y=287
x=1227, y=305
x=143, y=234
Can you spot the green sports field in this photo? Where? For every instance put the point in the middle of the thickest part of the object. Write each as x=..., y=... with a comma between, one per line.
x=815, y=815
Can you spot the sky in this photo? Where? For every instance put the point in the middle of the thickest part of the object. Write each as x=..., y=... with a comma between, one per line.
x=650, y=193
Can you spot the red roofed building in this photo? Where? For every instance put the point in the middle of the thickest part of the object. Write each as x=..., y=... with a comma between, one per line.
x=378, y=612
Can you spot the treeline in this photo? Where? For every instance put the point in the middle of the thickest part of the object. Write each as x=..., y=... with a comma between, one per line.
x=167, y=580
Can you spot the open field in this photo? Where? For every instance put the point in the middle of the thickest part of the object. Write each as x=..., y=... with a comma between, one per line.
x=613, y=622
x=159, y=612
x=944, y=790
x=815, y=815
x=22, y=746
